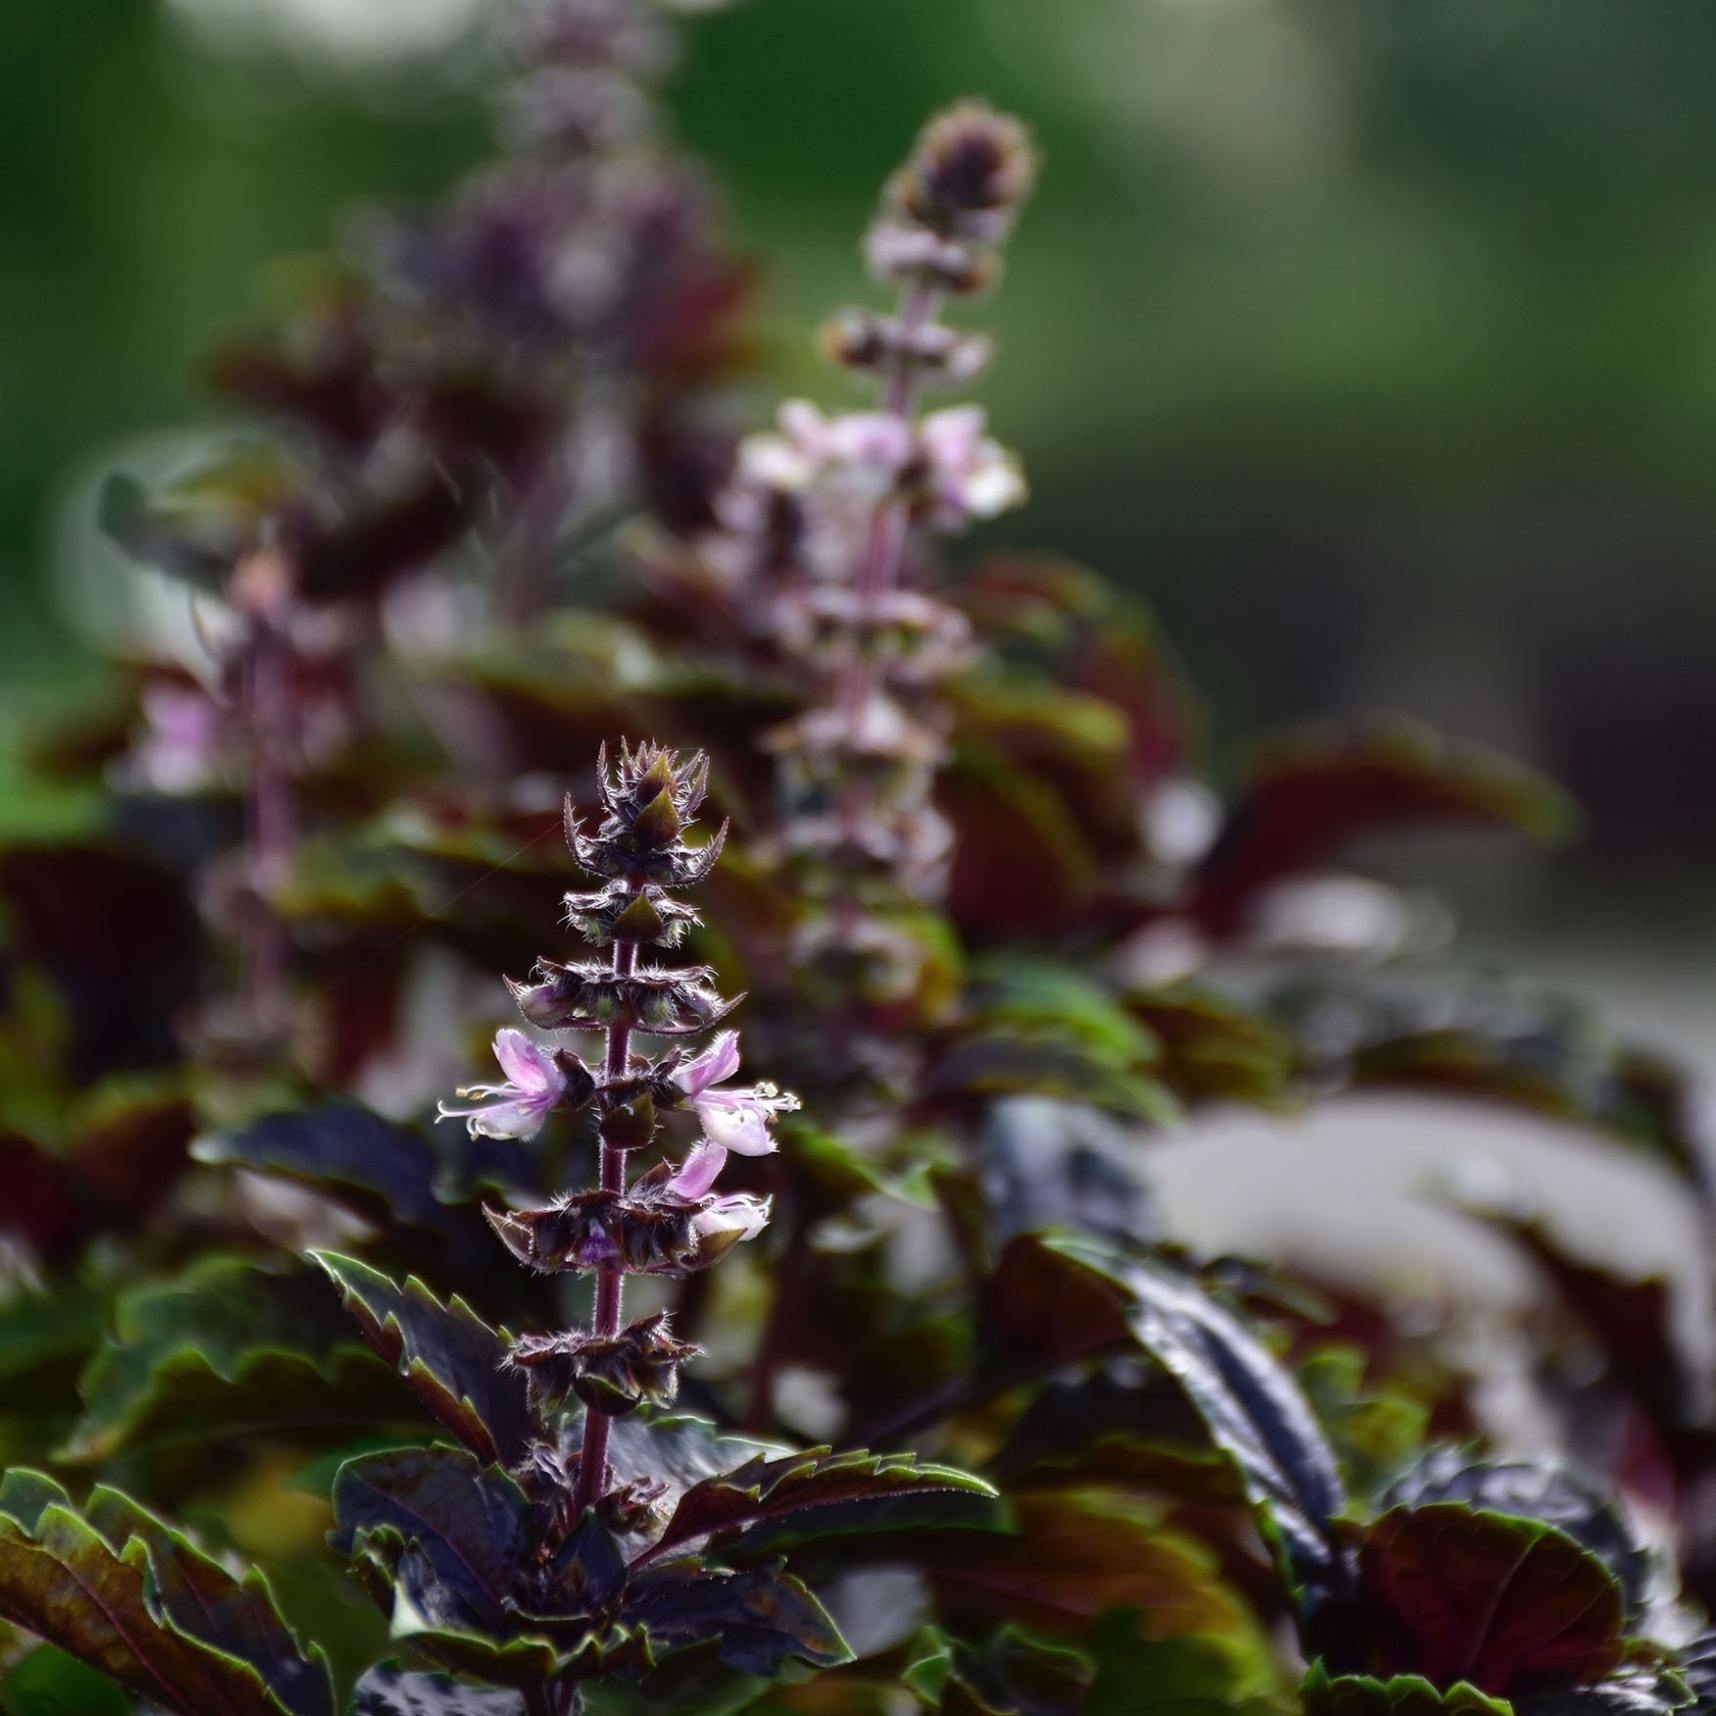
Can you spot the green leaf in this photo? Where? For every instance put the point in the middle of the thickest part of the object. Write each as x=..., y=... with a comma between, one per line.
x=1078, y=1552
x=819, y=1492
x=1015, y=1673
x=1043, y=1030
x=1196, y=1674
x=1401, y=1695
x=1376, y=1430
x=1215, y=1049
x=1509, y=1604
x=452, y=1360
x=130, y=1597
x=224, y=1348
x=50, y=1683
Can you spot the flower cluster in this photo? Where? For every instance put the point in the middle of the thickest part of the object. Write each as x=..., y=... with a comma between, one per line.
x=668, y=1220
x=822, y=537
x=534, y=352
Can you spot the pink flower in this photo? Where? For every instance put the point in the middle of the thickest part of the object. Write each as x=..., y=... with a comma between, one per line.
x=971, y=475
x=725, y=1220
x=517, y=1108
x=184, y=746
x=733, y=1119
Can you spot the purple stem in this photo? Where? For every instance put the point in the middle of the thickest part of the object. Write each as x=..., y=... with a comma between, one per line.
x=271, y=822
x=610, y=1280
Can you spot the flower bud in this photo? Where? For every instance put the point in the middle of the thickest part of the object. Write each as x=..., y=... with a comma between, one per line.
x=628, y=1125
x=968, y=173
x=613, y=1374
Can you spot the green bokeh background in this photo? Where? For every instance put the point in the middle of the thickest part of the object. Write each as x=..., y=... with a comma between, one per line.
x=1376, y=345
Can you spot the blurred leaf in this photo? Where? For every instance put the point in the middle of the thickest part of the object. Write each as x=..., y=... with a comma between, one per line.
x=1014, y=1674
x=1126, y=1423
x=1020, y=866
x=1483, y=1038
x=386, y=1173
x=1091, y=638
x=224, y=1349
x=127, y=1595
x=1506, y=1603
x=1633, y=1323
x=1079, y=1552
x=1049, y=1163
x=1043, y=1030
x=1376, y=1430
x=50, y=1328
x=1633, y=1692
x=1215, y=1049
x=1317, y=790
x=50, y=1683
x=1223, y=1674
x=454, y=1363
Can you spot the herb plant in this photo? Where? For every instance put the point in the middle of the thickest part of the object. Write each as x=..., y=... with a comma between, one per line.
x=968, y=1432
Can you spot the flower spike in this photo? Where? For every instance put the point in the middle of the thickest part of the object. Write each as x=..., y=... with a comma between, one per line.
x=666, y=1221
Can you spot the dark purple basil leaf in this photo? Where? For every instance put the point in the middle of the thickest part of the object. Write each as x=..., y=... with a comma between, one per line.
x=196, y=1597
x=757, y=1620
x=1127, y=1422
x=451, y=1360
x=1552, y=1494
x=473, y=1527
x=1511, y=1605
x=588, y=1570
x=386, y=538
x=834, y=1490
x=124, y=1593
x=1252, y=1408
x=386, y=1173
x=389, y=1691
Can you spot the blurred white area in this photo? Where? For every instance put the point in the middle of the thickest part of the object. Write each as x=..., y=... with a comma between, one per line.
x=1358, y=1189
x=1245, y=94
x=112, y=604
x=331, y=34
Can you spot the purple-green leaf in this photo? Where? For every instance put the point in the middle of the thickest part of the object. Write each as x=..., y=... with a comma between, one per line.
x=122, y=1592
x=452, y=1361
